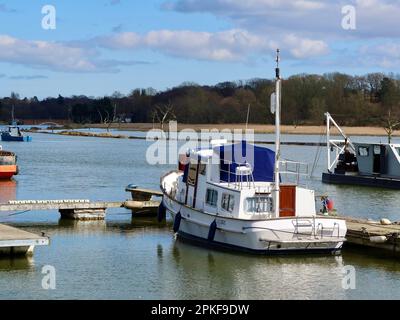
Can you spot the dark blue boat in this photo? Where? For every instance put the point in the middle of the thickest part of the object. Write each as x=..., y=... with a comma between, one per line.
x=13, y=133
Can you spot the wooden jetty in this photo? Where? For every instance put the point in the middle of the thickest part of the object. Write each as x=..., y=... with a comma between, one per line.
x=14, y=241
x=369, y=234
x=141, y=204
x=71, y=209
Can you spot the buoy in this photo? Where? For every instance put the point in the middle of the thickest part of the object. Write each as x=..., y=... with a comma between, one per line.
x=385, y=221
x=378, y=239
x=161, y=213
x=211, y=232
x=177, y=222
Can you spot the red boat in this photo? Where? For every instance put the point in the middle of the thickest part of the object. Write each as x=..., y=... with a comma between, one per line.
x=8, y=165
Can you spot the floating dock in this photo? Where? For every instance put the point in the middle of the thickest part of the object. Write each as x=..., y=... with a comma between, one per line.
x=86, y=209
x=72, y=209
x=14, y=241
x=383, y=238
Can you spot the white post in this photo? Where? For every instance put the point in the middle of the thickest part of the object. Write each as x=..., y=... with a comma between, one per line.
x=277, y=137
x=328, y=138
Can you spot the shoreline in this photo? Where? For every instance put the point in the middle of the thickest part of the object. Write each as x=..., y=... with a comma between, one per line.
x=109, y=135
x=258, y=128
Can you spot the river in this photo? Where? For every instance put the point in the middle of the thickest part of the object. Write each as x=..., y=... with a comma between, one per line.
x=125, y=258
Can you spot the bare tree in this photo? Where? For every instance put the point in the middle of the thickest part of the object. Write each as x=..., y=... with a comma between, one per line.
x=163, y=114
x=112, y=119
x=391, y=123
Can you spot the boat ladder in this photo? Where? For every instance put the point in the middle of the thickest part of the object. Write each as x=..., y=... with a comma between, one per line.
x=301, y=224
x=321, y=231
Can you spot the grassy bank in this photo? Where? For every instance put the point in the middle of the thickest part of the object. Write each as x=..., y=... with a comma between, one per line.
x=258, y=128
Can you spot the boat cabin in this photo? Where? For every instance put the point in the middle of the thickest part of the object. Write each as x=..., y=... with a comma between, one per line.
x=365, y=164
x=14, y=131
x=236, y=180
x=378, y=159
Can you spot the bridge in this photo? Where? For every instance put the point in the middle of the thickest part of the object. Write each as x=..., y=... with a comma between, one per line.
x=50, y=124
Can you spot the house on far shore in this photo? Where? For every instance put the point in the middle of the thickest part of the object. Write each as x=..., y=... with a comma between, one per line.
x=124, y=118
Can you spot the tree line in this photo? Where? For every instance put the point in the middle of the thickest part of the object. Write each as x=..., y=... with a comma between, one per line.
x=372, y=99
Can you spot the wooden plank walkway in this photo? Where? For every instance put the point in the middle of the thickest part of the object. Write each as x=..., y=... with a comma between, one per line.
x=14, y=241
x=32, y=205
x=70, y=209
x=369, y=234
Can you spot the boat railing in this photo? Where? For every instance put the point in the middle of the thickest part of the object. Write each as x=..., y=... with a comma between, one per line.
x=239, y=175
x=338, y=146
x=319, y=230
x=299, y=223
x=294, y=169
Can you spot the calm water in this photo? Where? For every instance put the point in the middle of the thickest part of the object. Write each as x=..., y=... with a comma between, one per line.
x=140, y=259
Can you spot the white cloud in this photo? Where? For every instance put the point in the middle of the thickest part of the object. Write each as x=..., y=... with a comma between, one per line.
x=239, y=6
x=304, y=48
x=385, y=55
x=308, y=28
x=310, y=18
x=55, y=56
x=229, y=45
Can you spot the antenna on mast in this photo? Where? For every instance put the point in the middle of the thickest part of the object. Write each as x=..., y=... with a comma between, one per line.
x=278, y=59
x=276, y=103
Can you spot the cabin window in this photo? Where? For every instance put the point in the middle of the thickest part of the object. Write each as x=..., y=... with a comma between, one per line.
x=212, y=197
x=259, y=204
x=227, y=202
x=202, y=169
x=377, y=150
x=363, y=151
x=192, y=174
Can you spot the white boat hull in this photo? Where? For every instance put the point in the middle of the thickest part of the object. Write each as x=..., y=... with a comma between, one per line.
x=283, y=235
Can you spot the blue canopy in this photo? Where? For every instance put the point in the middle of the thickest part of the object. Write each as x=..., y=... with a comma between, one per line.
x=262, y=161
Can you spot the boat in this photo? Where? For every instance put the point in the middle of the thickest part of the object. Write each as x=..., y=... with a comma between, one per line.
x=13, y=133
x=8, y=164
x=232, y=196
x=362, y=164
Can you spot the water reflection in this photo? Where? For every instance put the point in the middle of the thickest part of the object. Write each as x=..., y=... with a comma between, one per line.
x=130, y=258
x=16, y=263
x=8, y=190
x=225, y=275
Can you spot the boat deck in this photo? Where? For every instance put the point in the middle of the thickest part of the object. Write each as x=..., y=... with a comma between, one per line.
x=369, y=181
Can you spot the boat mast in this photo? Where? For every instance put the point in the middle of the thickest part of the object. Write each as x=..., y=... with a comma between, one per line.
x=277, y=134
x=12, y=115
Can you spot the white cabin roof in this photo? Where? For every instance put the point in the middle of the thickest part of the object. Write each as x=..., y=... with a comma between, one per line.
x=204, y=153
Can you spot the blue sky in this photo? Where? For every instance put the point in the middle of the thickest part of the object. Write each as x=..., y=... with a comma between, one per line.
x=102, y=46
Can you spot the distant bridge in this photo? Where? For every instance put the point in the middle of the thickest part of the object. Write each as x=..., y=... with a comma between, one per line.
x=50, y=124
